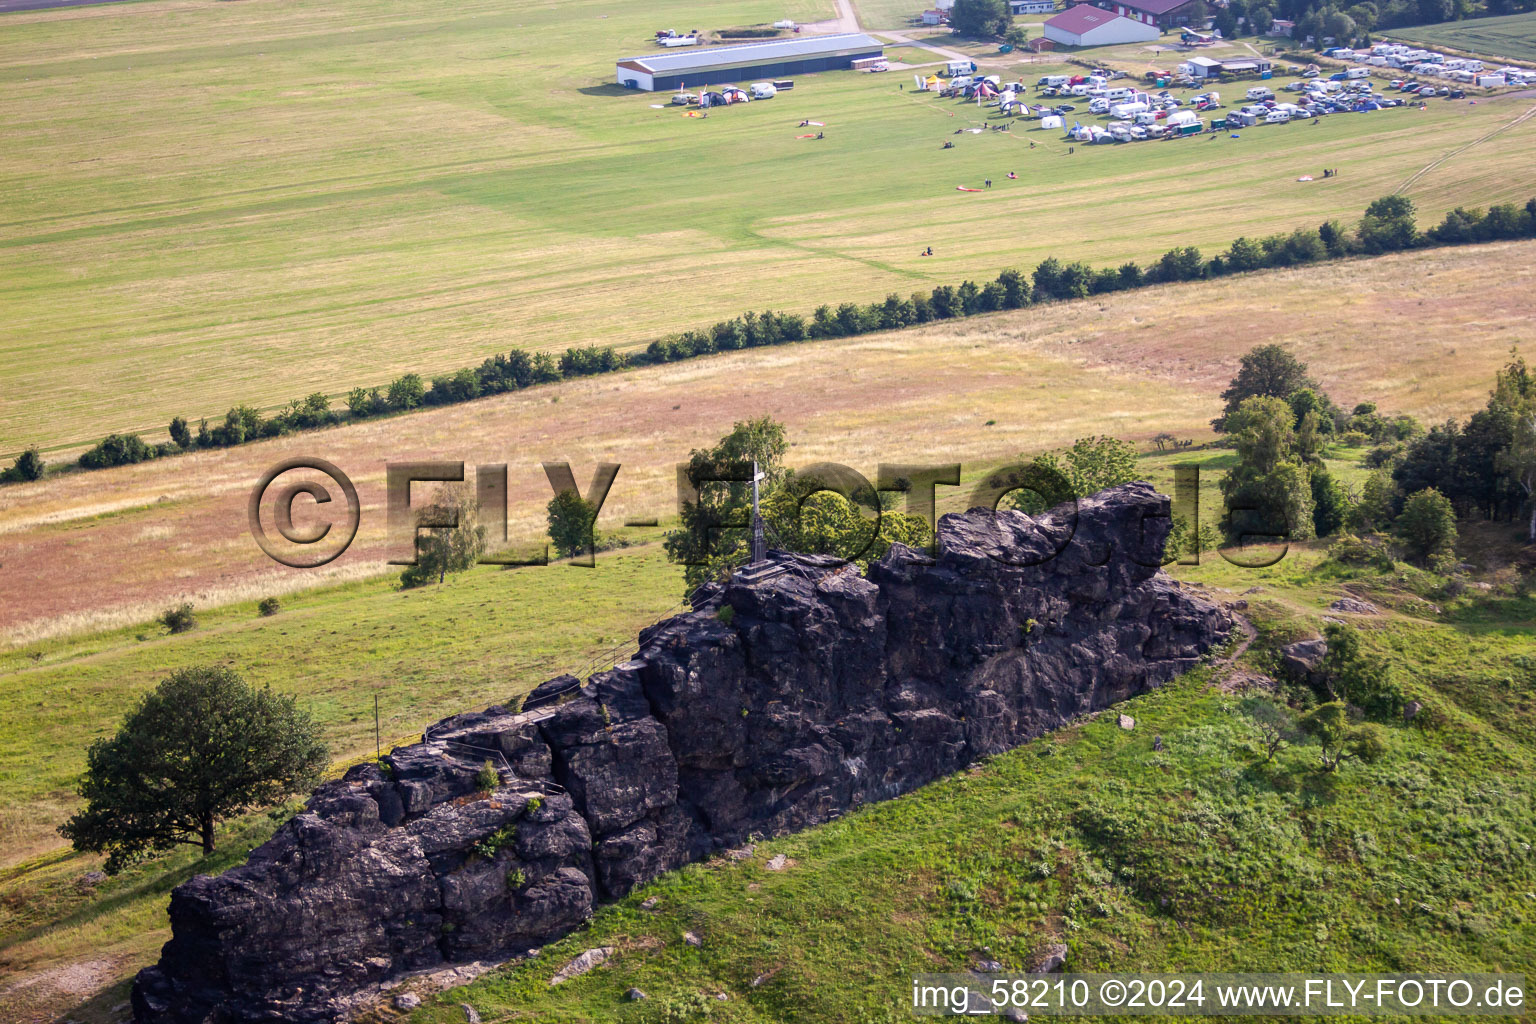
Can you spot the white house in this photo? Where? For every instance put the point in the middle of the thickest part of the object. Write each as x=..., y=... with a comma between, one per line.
x=1087, y=25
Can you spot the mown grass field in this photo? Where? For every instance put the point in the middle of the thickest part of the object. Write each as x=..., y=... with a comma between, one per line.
x=213, y=204
x=1513, y=35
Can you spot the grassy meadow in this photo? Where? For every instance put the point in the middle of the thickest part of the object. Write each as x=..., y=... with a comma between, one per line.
x=1512, y=36
x=210, y=204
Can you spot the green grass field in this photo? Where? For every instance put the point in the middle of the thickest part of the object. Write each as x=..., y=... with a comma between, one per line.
x=1512, y=36
x=212, y=204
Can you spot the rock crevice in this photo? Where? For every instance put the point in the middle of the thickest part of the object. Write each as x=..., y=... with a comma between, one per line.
x=821, y=690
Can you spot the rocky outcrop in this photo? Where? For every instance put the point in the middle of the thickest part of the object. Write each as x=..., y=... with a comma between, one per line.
x=818, y=691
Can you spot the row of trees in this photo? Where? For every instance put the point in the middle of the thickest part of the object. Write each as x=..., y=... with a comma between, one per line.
x=1388, y=225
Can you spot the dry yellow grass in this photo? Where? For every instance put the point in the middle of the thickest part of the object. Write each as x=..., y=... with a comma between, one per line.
x=1420, y=333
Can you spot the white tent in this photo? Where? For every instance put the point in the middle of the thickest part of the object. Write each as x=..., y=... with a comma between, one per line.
x=1050, y=121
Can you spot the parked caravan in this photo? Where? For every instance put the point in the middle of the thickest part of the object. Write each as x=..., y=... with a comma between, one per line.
x=1259, y=92
x=1358, y=73
x=1125, y=111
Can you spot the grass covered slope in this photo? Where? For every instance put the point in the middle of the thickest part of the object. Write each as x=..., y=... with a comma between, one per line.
x=237, y=203
x=1195, y=857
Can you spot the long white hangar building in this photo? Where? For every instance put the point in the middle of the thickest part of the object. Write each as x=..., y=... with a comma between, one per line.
x=776, y=58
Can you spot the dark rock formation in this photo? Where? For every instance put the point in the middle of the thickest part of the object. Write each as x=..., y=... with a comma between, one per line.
x=822, y=691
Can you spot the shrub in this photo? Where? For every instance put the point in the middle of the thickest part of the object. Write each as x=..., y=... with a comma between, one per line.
x=179, y=619
x=181, y=436
x=497, y=841
x=1358, y=552
x=406, y=392
x=28, y=466
x=726, y=614
x=1357, y=676
x=117, y=450
x=1427, y=526
x=269, y=606
x=487, y=779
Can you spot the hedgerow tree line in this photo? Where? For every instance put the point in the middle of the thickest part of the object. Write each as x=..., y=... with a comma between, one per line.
x=1388, y=225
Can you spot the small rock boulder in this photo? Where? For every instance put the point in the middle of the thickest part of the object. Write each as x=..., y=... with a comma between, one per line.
x=1127, y=723
x=1052, y=959
x=634, y=995
x=777, y=862
x=1303, y=659
x=471, y=1015
x=407, y=1001
x=692, y=939
x=582, y=964
x=1353, y=606
x=1411, y=710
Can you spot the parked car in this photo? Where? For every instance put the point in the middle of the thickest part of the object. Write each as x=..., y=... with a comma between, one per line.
x=1428, y=90
x=1457, y=94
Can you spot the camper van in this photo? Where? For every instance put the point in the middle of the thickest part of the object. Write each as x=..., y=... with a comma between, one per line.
x=1098, y=105
x=1258, y=92
x=959, y=67
x=763, y=90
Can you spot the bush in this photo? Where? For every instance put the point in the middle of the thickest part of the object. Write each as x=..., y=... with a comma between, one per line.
x=180, y=435
x=1427, y=527
x=487, y=779
x=406, y=392
x=269, y=606
x=117, y=450
x=1360, y=552
x=179, y=619
x=28, y=466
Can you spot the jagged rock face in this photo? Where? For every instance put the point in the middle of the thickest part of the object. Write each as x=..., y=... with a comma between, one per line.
x=822, y=690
